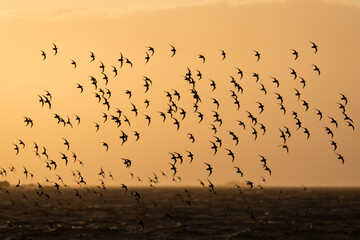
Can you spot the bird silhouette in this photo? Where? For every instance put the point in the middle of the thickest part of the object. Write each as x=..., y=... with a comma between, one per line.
x=223, y=54
x=43, y=54
x=239, y=171
x=257, y=54
x=73, y=63
x=55, y=49
x=314, y=46
x=316, y=69
x=231, y=154
x=202, y=57
x=295, y=53
x=173, y=50
x=209, y=168
x=340, y=157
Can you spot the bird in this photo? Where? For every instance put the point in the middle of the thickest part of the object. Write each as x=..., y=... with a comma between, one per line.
x=282, y=135
x=213, y=84
x=266, y=168
x=16, y=148
x=334, y=121
x=255, y=75
x=97, y=126
x=199, y=74
x=128, y=62
x=285, y=147
x=319, y=113
x=209, y=168
x=216, y=102
x=303, y=82
x=147, y=117
x=254, y=132
x=55, y=49
x=190, y=155
x=240, y=72
x=92, y=56
x=202, y=57
x=276, y=82
x=250, y=184
x=305, y=104
x=293, y=73
x=43, y=54
x=106, y=145
x=239, y=171
x=134, y=109
x=21, y=143
x=340, y=157
x=351, y=125
x=121, y=60
x=214, y=147
x=314, y=46
x=231, y=154
x=257, y=54
x=334, y=144
x=64, y=157
x=173, y=50
x=316, y=69
x=66, y=143
x=261, y=107
x=191, y=137
x=141, y=223
x=306, y=131
x=115, y=71
x=218, y=140
x=147, y=57
x=241, y=123
x=223, y=54
x=151, y=49
x=79, y=86
x=343, y=97
x=329, y=132
x=295, y=53
x=128, y=92
x=73, y=63
x=262, y=88
x=287, y=131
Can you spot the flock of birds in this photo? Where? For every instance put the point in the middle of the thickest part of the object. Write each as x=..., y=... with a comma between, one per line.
x=174, y=113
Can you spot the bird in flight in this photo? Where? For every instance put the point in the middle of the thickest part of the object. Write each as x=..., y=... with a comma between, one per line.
x=151, y=49
x=295, y=53
x=314, y=46
x=257, y=54
x=73, y=63
x=209, y=168
x=173, y=50
x=231, y=154
x=223, y=54
x=202, y=57
x=92, y=56
x=43, y=54
x=239, y=171
x=147, y=57
x=316, y=69
x=55, y=49
x=340, y=157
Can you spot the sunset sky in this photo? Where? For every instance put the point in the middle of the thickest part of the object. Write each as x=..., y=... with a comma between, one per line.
x=193, y=27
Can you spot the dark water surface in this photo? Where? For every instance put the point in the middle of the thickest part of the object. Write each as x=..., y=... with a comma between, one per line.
x=172, y=213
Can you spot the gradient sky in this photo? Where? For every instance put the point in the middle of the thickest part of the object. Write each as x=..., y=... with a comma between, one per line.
x=193, y=27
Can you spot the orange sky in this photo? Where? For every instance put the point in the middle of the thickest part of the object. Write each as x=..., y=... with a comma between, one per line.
x=271, y=27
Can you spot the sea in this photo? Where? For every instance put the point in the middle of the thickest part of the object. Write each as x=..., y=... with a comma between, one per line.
x=179, y=213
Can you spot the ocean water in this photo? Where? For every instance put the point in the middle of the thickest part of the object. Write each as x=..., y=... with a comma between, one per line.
x=178, y=213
